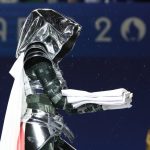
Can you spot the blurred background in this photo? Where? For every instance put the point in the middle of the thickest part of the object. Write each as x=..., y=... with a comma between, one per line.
x=111, y=52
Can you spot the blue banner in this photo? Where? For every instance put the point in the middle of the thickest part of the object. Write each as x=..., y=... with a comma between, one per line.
x=113, y=30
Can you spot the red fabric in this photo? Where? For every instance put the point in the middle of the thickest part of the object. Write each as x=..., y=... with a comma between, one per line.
x=21, y=138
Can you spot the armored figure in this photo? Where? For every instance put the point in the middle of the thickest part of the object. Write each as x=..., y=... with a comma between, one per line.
x=45, y=38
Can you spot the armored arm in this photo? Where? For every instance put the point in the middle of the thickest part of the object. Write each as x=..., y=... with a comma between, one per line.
x=37, y=61
x=39, y=66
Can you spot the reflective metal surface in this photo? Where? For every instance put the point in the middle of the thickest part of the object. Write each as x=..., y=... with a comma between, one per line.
x=56, y=32
x=43, y=127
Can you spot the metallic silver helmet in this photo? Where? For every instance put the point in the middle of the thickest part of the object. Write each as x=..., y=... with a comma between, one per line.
x=57, y=33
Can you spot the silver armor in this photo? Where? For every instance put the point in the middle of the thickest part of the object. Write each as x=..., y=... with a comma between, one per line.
x=43, y=128
x=56, y=32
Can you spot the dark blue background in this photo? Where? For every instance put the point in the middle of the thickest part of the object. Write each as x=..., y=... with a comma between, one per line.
x=95, y=66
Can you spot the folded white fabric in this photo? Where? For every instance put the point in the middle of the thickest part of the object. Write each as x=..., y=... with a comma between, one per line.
x=112, y=99
x=15, y=108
